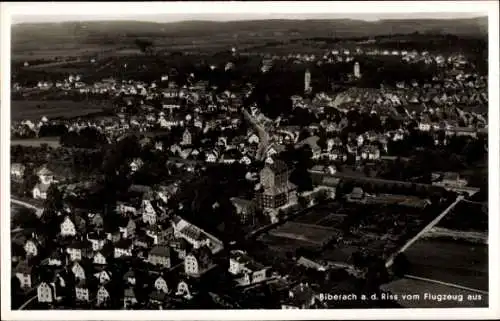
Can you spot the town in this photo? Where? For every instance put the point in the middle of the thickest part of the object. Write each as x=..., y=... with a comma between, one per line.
x=246, y=179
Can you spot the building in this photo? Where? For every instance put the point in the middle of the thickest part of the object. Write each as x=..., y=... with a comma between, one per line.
x=276, y=189
x=357, y=70
x=46, y=292
x=84, y=291
x=103, y=295
x=245, y=209
x=451, y=179
x=31, y=247
x=67, y=227
x=195, y=236
x=187, y=138
x=307, y=81
x=24, y=274
x=129, y=298
x=160, y=256
x=198, y=262
x=301, y=296
x=17, y=171
x=40, y=191
x=357, y=195
x=245, y=269
x=148, y=212
x=161, y=285
x=123, y=247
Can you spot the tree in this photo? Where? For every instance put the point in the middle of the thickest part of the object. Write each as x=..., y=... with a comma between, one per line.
x=302, y=201
x=54, y=199
x=401, y=265
x=29, y=181
x=26, y=218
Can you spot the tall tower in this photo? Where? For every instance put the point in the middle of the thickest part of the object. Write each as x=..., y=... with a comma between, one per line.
x=307, y=81
x=357, y=71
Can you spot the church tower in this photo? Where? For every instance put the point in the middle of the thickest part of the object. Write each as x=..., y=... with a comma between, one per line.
x=357, y=70
x=307, y=81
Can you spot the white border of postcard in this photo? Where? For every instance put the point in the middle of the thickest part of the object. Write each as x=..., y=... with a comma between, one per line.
x=120, y=10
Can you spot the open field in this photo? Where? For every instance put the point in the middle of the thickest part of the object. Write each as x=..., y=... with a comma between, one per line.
x=411, y=287
x=314, y=234
x=28, y=109
x=282, y=245
x=332, y=220
x=461, y=263
x=447, y=234
x=467, y=216
x=319, y=213
x=36, y=142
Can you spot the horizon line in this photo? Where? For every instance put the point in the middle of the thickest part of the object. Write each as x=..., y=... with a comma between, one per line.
x=253, y=19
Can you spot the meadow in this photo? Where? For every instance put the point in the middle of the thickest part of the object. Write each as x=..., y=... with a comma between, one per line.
x=35, y=109
x=37, y=142
x=450, y=261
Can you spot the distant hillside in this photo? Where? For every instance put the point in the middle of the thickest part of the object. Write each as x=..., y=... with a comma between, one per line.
x=27, y=36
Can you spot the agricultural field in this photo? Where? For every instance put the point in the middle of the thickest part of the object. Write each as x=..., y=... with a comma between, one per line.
x=35, y=109
x=467, y=216
x=283, y=245
x=456, y=262
x=37, y=142
x=332, y=220
x=319, y=213
x=314, y=234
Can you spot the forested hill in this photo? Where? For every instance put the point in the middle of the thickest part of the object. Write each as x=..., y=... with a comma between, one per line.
x=116, y=31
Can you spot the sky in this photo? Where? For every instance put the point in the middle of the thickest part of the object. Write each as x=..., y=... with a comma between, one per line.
x=238, y=16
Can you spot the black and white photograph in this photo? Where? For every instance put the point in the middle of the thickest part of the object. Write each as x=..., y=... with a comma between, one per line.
x=157, y=156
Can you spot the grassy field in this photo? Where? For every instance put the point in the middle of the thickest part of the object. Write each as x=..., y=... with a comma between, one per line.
x=36, y=142
x=28, y=109
x=307, y=233
x=411, y=287
x=454, y=262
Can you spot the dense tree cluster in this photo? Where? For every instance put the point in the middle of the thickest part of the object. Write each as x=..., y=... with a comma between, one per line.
x=87, y=137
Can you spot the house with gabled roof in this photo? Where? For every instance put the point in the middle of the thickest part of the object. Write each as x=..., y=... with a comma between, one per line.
x=187, y=288
x=129, y=298
x=130, y=277
x=103, y=276
x=194, y=235
x=67, y=227
x=97, y=240
x=57, y=258
x=158, y=299
x=103, y=295
x=123, y=247
x=103, y=256
x=247, y=270
x=25, y=274
x=302, y=296
x=31, y=247
x=85, y=290
x=79, y=249
x=198, y=262
x=160, y=284
x=46, y=292
x=17, y=171
x=79, y=270
x=160, y=256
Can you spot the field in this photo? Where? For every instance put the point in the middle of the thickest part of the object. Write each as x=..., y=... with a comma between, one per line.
x=410, y=286
x=320, y=213
x=314, y=234
x=467, y=217
x=29, y=109
x=461, y=263
x=36, y=142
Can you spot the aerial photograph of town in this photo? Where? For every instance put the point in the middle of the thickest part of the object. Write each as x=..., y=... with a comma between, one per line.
x=249, y=164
